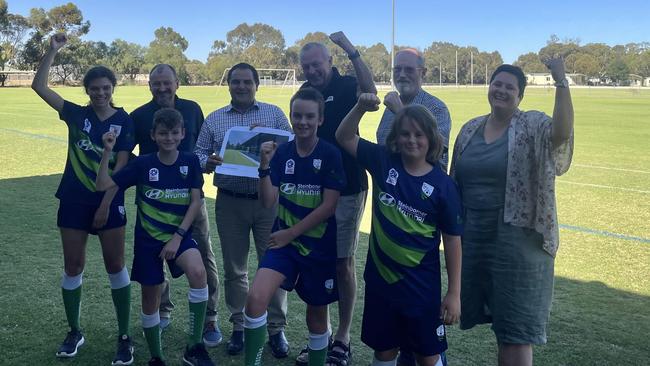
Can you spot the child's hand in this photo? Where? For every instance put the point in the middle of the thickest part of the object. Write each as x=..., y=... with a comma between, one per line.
x=170, y=248
x=267, y=150
x=108, y=139
x=393, y=102
x=368, y=102
x=280, y=239
x=101, y=217
x=450, y=309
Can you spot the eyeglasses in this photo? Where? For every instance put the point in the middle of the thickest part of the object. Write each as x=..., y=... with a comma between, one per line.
x=407, y=70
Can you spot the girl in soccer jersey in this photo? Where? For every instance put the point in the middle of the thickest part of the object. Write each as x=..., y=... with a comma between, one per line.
x=414, y=203
x=83, y=210
x=303, y=178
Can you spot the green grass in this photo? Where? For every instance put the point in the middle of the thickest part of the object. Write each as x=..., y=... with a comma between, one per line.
x=236, y=157
x=601, y=306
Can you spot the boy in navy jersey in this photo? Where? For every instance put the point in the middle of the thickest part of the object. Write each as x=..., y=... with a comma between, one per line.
x=414, y=203
x=168, y=196
x=304, y=178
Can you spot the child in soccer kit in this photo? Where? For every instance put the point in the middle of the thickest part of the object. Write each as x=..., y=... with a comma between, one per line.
x=303, y=178
x=414, y=203
x=168, y=195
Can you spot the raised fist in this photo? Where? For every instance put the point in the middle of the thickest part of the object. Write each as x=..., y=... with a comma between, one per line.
x=108, y=139
x=342, y=41
x=368, y=102
x=57, y=41
x=267, y=150
x=556, y=66
x=393, y=102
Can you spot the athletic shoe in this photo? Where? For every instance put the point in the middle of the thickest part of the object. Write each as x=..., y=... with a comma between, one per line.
x=211, y=334
x=197, y=356
x=279, y=345
x=235, y=345
x=155, y=361
x=165, y=321
x=72, y=342
x=124, y=354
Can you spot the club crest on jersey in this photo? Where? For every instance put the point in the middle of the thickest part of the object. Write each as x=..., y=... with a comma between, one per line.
x=122, y=211
x=329, y=99
x=329, y=285
x=317, y=163
x=153, y=175
x=427, y=189
x=289, y=166
x=116, y=129
x=183, y=170
x=392, y=177
x=87, y=125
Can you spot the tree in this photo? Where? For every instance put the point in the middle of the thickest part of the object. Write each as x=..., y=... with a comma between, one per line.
x=12, y=31
x=378, y=60
x=530, y=63
x=586, y=64
x=196, y=72
x=168, y=47
x=618, y=71
x=126, y=58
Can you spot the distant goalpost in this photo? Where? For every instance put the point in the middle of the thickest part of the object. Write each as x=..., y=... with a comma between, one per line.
x=280, y=78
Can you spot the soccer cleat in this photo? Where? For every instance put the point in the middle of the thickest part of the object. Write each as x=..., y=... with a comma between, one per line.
x=211, y=334
x=155, y=361
x=197, y=355
x=124, y=353
x=71, y=344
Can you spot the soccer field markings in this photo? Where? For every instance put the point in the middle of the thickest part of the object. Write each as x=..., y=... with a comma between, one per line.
x=605, y=233
x=35, y=135
x=610, y=168
x=604, y=186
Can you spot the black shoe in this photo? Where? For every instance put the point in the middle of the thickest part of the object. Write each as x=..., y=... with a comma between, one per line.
x=236, y=343
x=155, y=361
x=72, y=342
x=406, y=357
x=197, y=356
x=124, y=354
x=279, y=345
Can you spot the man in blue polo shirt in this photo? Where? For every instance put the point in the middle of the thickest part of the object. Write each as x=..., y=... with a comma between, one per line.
x=340, y=94
x=163, y=83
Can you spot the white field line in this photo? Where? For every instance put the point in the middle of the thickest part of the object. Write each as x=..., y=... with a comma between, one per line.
x=610, y=168
x=604, y=186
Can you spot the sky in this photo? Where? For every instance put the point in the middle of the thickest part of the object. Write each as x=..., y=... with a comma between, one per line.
x=510, y=27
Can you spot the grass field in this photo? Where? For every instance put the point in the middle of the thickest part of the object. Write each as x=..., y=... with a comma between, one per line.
x=601, y=308
x=235, y=157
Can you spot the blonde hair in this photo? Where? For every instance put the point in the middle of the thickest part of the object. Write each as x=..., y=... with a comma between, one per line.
x=423, y=118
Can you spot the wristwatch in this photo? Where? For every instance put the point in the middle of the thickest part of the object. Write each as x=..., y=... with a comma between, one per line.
x=564, y=83
x=354, y=55
x=264, y=172
x=181, y=232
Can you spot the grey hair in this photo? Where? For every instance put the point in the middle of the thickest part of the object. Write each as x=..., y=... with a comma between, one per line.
x=310, y=45
x=161, y=67
x=418, y=54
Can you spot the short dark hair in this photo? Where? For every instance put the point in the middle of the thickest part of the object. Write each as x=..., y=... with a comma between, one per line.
x=98, y=72
x=309, y=94
x=426, y=121
x=159, y=66
x=244, y=66
x=517, y=72
x=168, y=118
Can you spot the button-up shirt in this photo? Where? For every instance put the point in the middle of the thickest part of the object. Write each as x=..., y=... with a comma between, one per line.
x=220, y=121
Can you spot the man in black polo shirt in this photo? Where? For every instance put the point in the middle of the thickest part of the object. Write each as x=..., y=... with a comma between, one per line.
x=163, y=84
x=340, y=93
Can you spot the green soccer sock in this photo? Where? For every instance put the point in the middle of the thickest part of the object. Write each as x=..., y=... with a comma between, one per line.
x=317, y=357
x=72, y=305
x=152, y=335
x=197, y=318
x=122, y=302
x=254, y=339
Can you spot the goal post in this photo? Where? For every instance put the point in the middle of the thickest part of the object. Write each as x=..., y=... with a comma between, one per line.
x=279, y=78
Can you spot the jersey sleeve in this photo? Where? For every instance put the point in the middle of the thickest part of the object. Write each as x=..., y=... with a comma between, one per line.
x=70, y=112
x=371, y=156
x=334, y=174
x=450, y=220
x=197, y=174
x=126, y=139
x=276, y=167
x=128, y=176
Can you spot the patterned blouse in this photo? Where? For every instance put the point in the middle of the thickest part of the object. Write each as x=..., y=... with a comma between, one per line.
x=531, y=170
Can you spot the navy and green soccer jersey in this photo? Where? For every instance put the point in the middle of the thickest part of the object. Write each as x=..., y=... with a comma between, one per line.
x=408, y=215
x=163, y=192
x=301, y=183
x=85, y=149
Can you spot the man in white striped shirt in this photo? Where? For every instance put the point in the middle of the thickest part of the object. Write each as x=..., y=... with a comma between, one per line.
x=238, y=210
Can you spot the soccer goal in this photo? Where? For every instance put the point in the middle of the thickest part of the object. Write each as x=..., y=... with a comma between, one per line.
x=280, y=78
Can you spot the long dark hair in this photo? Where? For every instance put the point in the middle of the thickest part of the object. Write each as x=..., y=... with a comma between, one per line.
x=98, y=72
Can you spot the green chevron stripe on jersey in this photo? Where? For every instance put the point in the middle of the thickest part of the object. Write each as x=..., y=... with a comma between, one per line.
x=290, y=220
x=79, y=172
x=405, y=256
x=302, y=249
x=168, y=218
x=386, y=273
x=405, y=223
x=151, y=230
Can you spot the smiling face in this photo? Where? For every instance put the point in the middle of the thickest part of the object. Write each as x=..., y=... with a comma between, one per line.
x=408, y=74
x=163, y=85
x=100, y=91
x=305, y=118
x=317, y=66
x=412, y=142
x=168, y=139
x=242, y=88
x=503, y=93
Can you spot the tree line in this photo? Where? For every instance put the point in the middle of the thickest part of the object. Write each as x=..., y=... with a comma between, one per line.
x=24, y=40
